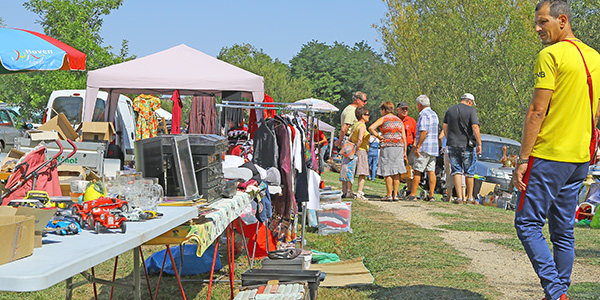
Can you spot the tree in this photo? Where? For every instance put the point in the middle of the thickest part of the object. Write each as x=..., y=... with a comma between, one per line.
x=279, y=83
x=586, y=16
x=337, y=71
x=76, y=23
x=444, y=48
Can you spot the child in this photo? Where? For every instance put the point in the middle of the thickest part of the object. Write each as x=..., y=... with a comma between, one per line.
x=373, y=155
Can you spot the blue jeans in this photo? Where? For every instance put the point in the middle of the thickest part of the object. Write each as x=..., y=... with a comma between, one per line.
x=462, y=161
x=551, y=194
x=373, y=165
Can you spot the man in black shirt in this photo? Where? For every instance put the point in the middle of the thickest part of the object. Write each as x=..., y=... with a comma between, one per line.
x=461, y=127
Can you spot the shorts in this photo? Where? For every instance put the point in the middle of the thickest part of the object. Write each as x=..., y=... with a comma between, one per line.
x=425, y=162
x=362, y=163
x=347, y=169
x=462, y=161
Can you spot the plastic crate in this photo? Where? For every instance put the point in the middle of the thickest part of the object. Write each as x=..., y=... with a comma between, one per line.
x=334, y=218
x=331, y=196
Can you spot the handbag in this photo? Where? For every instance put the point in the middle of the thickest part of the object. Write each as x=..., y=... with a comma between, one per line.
x=595, y=131
x=348, y=149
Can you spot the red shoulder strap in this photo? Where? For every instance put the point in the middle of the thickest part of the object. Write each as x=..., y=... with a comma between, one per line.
x=589, y=81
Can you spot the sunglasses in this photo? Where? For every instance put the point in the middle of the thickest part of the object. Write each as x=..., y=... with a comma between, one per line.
x=366, y=114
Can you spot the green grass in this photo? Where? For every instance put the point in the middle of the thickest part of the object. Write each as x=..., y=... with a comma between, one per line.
x=447, y=216
x=495, y=227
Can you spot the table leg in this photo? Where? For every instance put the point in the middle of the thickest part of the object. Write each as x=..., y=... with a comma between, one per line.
x=176, y=273
x=231, y=256
x=137, y=291
x=114, y=276
x=94, y=284
x=303, y=225
x=212, y=269
x=69, y=286
x=146, y=273
x=255, y=242
x=244, y=238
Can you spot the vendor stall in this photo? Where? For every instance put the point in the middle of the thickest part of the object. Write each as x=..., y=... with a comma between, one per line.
x=181, y=68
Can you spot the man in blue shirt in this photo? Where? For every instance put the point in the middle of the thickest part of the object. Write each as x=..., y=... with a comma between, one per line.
x=426, y=148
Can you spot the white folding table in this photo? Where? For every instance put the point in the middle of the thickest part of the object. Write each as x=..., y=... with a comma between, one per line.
x=62, y=257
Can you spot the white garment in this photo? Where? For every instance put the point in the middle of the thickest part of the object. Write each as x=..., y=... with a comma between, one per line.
x=297, y=151
x=314, y=194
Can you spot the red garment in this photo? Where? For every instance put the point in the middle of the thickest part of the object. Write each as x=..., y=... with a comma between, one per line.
x=267, y=113
x=252, y=126
x=47, y=180
x=176, y=120
x=319, y=136
x=261, y=246
x=410, y=127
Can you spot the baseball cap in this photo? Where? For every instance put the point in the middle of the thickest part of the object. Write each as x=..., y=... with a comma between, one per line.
x=468, y=96
x=402, y=104
x=273, y=180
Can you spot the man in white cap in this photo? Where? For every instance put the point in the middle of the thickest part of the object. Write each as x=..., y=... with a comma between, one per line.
x=461, y=127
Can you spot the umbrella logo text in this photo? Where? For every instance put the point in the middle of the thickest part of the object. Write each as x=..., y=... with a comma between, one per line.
x=37, y=54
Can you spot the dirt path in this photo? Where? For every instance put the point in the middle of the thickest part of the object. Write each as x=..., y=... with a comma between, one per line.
x=506, y=270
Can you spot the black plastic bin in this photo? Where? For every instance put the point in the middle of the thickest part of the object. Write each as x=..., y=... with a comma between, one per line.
x=262, y=276
x=207, y=144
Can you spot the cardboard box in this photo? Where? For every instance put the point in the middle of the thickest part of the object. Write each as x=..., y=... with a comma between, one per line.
x=61, y=125
x=37, y=135
x=10, y=161
x=96, y=131
x=487, y=188
x=41, y=217
x=16, y=234
x=66, y=174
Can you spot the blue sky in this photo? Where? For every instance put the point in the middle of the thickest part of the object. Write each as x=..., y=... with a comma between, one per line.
x=279, y=27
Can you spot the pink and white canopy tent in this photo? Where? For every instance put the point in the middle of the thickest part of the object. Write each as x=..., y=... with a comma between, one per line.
x=179, y=68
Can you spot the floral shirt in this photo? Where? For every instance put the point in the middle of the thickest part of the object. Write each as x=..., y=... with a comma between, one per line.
x=391, y=129
x=147, y=123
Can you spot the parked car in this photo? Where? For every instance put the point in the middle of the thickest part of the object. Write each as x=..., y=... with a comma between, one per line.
x=72, y=104
x=488, y=162
x=11, y=127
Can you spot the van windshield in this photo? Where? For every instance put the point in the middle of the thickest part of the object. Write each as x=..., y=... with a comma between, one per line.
x=493, y=151
x=72, y=108
x=99, y=111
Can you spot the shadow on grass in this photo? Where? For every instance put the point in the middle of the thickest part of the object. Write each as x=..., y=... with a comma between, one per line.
x=587, y=253
x=419, y=292
x=169, y=289
x=193, y=286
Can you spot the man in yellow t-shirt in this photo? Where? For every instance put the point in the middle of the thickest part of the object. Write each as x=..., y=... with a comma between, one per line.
x=348, y=119
x=554, y=155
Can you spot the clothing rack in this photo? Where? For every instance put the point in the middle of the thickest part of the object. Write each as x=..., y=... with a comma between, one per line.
x=306, y=107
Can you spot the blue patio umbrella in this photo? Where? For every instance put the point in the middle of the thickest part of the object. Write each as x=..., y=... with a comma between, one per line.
x=25, y=51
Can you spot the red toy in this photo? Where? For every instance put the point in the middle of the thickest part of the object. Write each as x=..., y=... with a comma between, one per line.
x=101, y=219
x=104, y=212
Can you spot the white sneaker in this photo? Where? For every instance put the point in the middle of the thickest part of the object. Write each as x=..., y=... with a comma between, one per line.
x=360, y=196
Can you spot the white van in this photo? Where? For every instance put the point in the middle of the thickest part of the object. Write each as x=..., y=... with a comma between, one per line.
x=72, y=102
